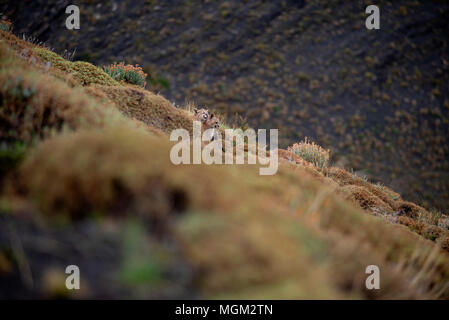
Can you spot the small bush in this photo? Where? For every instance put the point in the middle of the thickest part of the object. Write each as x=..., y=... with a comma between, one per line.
x=311, y=152
x=127, y=73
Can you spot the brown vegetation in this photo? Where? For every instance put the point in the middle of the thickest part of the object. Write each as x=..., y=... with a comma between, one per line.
x=244, y=235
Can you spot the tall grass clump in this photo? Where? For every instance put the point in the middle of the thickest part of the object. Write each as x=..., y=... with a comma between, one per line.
x=311, y=152
x=128, y=73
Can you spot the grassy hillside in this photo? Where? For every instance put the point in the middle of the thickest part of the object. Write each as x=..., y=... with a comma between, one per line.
x=377, y=99
x=86, y=179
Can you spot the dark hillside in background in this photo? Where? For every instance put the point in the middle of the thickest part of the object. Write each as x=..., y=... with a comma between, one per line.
x=379, y=99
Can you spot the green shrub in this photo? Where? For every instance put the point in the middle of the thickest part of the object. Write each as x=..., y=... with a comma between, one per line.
x=127, y=73
x=116, y=74
x=134, y=78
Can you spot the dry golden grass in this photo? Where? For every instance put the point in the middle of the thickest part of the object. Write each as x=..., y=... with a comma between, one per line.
x=106, y=166
x=13, y=48
x=382, y=201
x=409, y=209
x=288, y=236
x=343, y=178
x=361, y=196
x=145, y=106
x=247, y=236
x=34, y=105
x=39, y=102
x=15, y=43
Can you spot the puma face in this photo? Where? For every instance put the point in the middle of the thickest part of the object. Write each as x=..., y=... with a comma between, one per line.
x=201, y=115
x=213, y=122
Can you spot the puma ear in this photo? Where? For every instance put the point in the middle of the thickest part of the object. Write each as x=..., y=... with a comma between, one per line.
x=195, y=110
x=211, y=115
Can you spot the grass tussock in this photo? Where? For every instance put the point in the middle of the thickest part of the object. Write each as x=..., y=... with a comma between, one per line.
x=85, y=72
x=311, y=152
x=343, y=178
x=363, y=197
x=153, y=110
x=382, y=201
x=34, y=106
x=428, y=231
x=37, y=103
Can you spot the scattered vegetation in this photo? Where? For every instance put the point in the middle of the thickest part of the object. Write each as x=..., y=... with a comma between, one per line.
x=311, y=152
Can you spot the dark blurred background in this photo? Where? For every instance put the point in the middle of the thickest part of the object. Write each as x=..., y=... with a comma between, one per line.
x=379, y=99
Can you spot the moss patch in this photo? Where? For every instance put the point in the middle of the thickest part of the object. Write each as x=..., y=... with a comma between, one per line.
x=85, y=72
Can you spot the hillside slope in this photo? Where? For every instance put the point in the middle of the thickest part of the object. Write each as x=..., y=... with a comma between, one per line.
x=86, y=179
x=378, y=99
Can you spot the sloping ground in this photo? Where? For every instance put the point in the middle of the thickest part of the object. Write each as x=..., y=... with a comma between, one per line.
x=88, y=181
x=378, y=99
